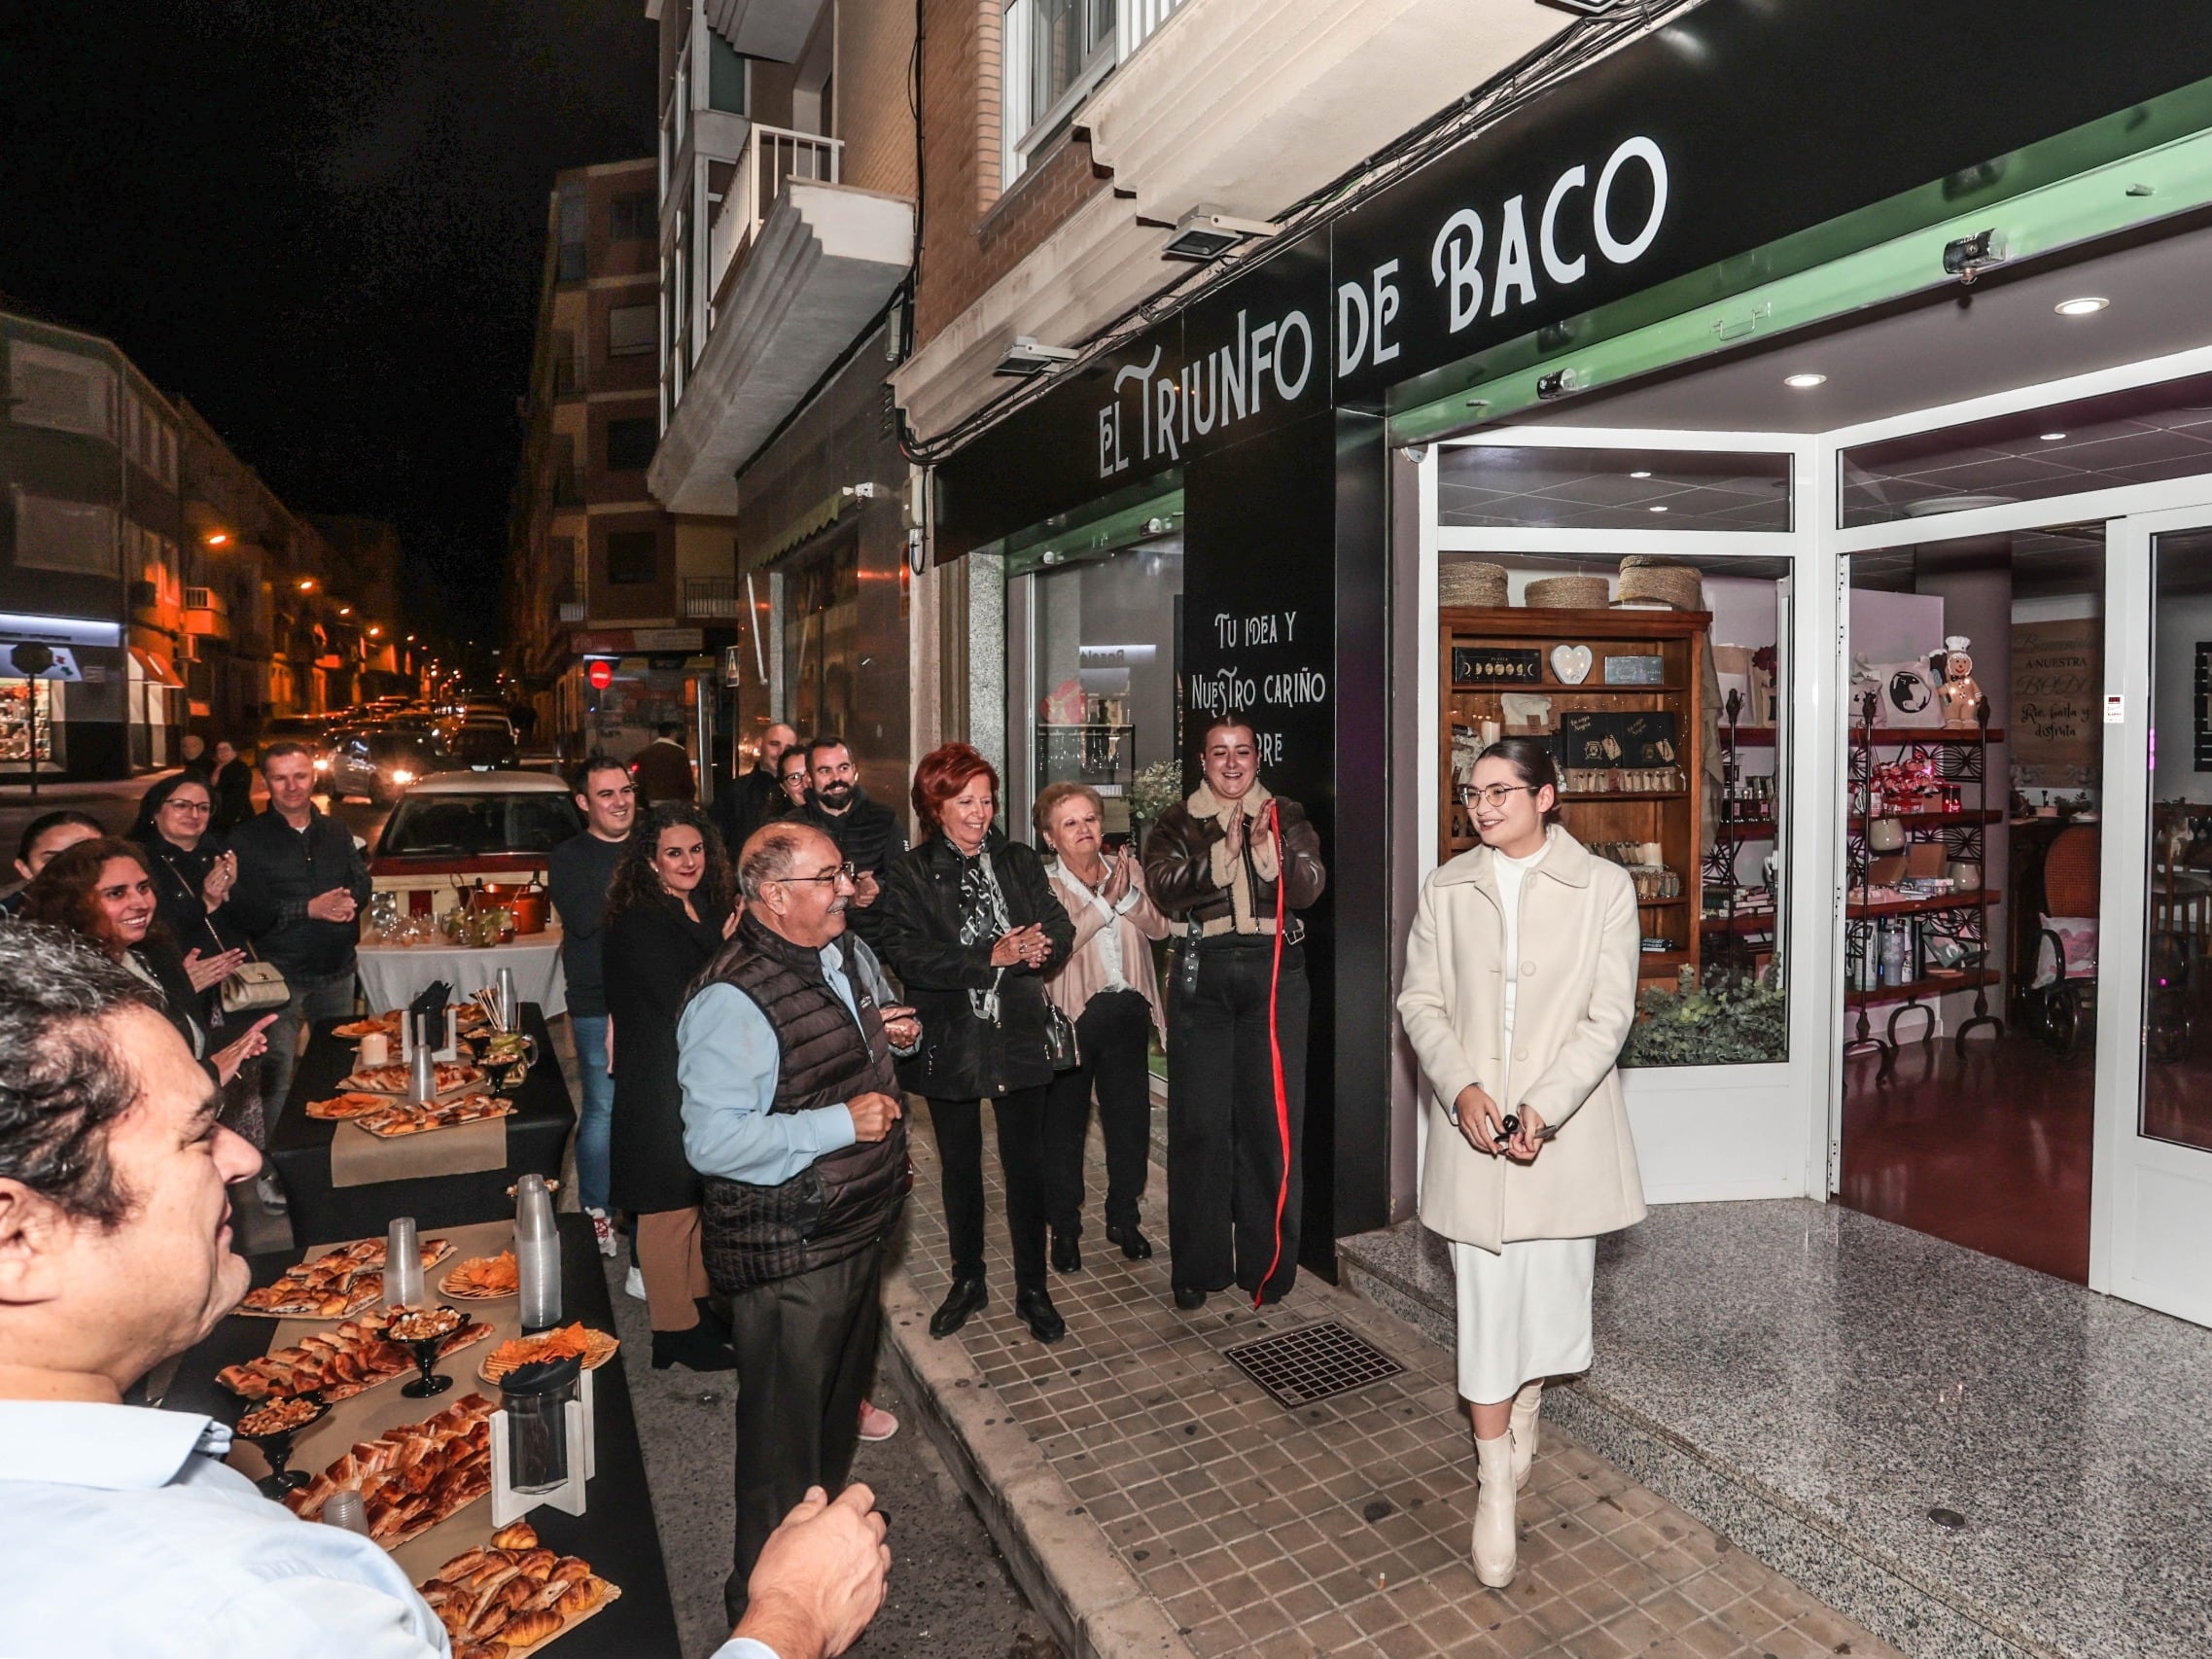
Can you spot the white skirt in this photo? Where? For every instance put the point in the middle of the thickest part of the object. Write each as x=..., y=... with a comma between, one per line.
x=1524, y=1312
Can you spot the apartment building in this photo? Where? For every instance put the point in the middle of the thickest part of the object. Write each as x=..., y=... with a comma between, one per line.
x=788, y=181
x=92, y=539
x=599, y=571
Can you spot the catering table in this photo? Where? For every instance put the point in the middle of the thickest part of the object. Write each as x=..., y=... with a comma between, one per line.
x=393, y=976
x=616, y=1534
x=537, y=1139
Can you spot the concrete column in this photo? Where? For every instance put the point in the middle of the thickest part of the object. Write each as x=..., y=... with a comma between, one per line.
x=987, y=656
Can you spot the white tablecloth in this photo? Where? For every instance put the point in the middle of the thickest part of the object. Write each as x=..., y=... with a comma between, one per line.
x=393, y=976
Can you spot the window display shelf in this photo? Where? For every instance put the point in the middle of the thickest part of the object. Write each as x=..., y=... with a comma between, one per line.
x=1906, y=736
x=1920, y=906
x=1965, y=819
x=1912, y=990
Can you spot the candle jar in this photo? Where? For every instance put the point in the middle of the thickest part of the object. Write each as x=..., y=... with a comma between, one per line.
x=535, y=1401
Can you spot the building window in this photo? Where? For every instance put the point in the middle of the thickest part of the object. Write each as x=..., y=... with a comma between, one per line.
x=77, y=536
x=1055, y=51
x=573, y=210
x=633, y=557
x=633, y=331
x=726, y=83
x=630, y=444
x=59, y=390
x=632, y=218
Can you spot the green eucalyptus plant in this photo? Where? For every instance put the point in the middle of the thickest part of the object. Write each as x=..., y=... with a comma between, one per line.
x=1731, y=1021
x=1154, y=790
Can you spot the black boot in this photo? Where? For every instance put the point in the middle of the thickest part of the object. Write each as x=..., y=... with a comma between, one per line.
x=1067, y=1253
x=711, y=1318
x=1035, y=1309
x=698, y=1349
x=1134, y=1244
x=965, y=1297
x=1189, y=1297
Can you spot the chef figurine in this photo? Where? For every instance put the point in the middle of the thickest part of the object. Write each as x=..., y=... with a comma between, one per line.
x=1960, y=691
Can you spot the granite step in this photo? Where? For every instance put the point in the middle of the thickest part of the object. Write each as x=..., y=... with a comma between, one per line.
x=1814, y=1383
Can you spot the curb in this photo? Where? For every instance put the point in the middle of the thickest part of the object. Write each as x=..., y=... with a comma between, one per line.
x=1094, y=1604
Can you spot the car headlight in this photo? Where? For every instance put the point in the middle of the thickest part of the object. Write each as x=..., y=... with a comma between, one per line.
x=322, y=763
x=401, y=775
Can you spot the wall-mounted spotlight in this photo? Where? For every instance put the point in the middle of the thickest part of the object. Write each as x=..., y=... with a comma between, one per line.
x=1558, y=384
x=1025, y=359
x=1970, y=256
x=1207, y=232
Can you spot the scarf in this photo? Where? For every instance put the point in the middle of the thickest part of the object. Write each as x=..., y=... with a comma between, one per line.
x=983, y=920
x=1259, y=851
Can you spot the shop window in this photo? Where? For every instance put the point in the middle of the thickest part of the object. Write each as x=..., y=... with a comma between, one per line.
x=1672, y=748
x=1486, y=486
x=2138, y=436
x=633, y=331
x=630, y=444
x=66, y=535
x=821, y=629
x=632, y=218
x=59, y=390
x=633, y=557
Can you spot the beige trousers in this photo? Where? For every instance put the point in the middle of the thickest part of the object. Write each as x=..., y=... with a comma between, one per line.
x=674, y=1272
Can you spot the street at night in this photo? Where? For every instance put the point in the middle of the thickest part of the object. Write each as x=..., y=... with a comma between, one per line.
x=1105, y=829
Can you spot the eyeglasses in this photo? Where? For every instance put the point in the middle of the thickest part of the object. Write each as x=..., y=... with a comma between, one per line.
x=188, y=806
x=1496, y=794
x=842, y=872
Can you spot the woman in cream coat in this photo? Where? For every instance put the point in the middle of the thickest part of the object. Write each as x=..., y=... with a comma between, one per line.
x=1519, y=989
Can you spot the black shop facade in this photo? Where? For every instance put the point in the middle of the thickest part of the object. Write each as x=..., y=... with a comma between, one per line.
x=1274, y=503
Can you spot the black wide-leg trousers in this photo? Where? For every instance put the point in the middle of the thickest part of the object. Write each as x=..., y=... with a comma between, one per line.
x=1226, y=1164
x=806, y=1353
x=1114, y=1036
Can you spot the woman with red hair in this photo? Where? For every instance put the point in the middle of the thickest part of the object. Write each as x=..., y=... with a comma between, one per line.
x=968, y=923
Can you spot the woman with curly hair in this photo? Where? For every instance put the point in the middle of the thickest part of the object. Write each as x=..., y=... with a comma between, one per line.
x=102, y=890
x=668, y=910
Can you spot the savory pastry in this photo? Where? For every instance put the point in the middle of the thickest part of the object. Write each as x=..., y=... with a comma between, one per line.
x=281, y=1417
x=345, y=1106
x=594, y=1347
x=410, y=1478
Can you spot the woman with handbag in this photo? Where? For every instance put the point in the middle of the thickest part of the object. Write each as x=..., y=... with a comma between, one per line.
x=968, y=923
x=1520, y=988
x=1109, y=992
x=103, y=891
x=668, y=911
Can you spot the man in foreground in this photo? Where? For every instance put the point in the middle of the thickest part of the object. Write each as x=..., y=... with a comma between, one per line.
x=121, y=1530
x=792, y=1117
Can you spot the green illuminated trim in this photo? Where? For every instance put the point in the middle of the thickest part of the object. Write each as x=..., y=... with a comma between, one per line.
x=1099, y=528
x=1716, y=310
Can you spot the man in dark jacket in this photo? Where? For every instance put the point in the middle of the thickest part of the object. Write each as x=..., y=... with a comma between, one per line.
x=301, y=884
x=866, y=832
x=1216, y=863
x=744, y=804
x=663, y=770
x=792, y=1117
x=579, y=873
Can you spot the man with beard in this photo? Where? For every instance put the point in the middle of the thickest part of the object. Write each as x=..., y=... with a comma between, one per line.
x=743, y=804
x=867, y=833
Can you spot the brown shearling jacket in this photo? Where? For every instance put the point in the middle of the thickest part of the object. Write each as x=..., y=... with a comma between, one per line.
x=1187, y=866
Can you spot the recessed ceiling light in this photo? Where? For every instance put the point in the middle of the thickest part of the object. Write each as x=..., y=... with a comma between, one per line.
x=1804, y=382
x=2052, y=436
x=2087, y=305
x=1640, y=475
x=1658, y=510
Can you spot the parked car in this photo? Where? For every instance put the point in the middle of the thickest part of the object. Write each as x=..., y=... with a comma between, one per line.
x=453, y=828
x=481, y=745
x=378, y=762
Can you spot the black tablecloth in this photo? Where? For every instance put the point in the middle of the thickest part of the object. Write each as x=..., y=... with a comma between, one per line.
x=537, y=1139
x=616, y=1534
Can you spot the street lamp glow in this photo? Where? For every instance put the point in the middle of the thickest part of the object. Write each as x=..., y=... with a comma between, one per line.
x=376, y=631
x=307, y=585
x=345, y=610
x=218, y=538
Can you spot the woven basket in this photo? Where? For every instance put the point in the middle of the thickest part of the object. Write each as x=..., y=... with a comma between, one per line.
x=1470, y=582
x=1568, y=594
x=1656, y=582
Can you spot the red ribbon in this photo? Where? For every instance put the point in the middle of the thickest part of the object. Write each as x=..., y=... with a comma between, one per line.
x=1274, y=1051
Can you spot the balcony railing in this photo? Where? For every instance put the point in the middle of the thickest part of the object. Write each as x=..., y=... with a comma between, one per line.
x=1140, y=20
x=773, y=157
x=206, y=614
x=711, y=598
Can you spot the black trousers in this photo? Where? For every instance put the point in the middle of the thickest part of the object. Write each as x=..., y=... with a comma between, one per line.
x=958, y=1125
x=806, y=1353
x=1225, y=1161
x=1114, y=1034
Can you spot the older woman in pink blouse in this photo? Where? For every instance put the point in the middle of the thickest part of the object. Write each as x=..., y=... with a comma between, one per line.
x=1108, y=989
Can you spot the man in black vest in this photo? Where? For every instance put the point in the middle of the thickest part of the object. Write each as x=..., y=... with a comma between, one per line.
x=792, y=1117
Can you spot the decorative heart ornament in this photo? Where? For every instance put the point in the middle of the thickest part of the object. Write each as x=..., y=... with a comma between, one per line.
x=1572, y=663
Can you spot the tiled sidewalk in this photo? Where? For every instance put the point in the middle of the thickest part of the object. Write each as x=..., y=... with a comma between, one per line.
x=1341, y=1528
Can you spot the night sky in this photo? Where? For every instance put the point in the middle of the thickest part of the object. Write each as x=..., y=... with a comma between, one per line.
x=322, y=223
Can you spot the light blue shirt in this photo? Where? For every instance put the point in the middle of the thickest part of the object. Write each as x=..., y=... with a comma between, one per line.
x=728, y=1060
x=122, y=1533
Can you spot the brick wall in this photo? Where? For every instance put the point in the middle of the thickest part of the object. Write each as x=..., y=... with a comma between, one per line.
x=875, y=45
x=973, y=234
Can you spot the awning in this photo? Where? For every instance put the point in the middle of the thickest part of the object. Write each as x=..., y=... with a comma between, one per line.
x=145, y=665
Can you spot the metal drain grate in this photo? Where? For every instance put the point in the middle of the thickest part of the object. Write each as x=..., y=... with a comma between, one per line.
x=1318, y=1362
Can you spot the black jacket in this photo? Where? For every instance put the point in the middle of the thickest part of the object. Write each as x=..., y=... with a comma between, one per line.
x=281, y=868
x=651, y=952
x=577, y=874
x=178, y=877
x=963, y=1056
x=180, y=1002
x=743, y=804
x=234, y=795
x=871, y=836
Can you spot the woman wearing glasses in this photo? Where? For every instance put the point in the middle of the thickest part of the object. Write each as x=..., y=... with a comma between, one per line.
x=668, y=911
x=970, y=923
x=1519, y=989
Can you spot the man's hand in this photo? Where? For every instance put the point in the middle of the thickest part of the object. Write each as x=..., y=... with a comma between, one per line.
x=873, y=1115
x=228, y=1060
x=335, y=905
x=820, y=1578
x=866, y=890
x=902, y=1025
x=1479, y=1118
x=206, y=971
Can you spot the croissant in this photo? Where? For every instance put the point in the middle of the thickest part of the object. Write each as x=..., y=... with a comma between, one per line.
x=523, y=1629
x=517, y=1535
x=587, y=1594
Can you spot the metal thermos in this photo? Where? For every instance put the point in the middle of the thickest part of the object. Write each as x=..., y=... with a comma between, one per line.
x=508, y=1010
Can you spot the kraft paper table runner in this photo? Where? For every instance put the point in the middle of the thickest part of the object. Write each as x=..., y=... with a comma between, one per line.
x=358, y=1159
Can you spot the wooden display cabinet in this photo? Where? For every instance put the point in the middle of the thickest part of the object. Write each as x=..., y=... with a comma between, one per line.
x=1671, y=816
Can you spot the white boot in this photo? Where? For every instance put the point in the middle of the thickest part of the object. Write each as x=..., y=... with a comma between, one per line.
x=1495, y=1549
x=1527, y=1405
